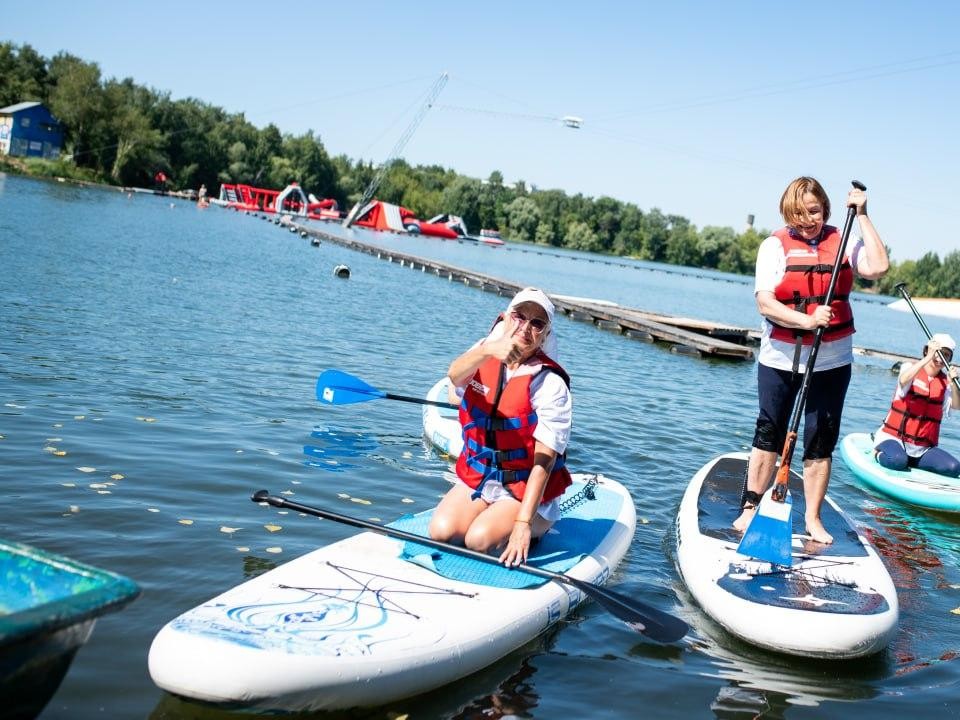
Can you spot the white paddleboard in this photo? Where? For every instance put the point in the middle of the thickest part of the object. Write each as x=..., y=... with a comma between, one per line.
x=441, y=425
x=835, y=601
x=357, y=624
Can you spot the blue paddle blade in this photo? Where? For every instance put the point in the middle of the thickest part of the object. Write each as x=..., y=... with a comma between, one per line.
x=770, y=534
x=335, y=387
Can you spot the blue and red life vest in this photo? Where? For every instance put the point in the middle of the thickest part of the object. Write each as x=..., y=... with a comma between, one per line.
x=916, y=416
x=498, y=422
x=805, y=282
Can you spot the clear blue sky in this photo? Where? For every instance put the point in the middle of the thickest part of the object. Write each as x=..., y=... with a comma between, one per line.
x=702, y=109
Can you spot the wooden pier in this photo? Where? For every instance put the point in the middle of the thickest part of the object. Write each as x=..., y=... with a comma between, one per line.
x=687, y=336
x=684, y=335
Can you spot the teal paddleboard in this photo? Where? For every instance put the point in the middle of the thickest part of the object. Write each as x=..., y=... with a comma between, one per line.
x=916, y=487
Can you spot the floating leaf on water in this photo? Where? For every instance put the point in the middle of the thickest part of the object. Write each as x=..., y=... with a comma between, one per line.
x=116, y=476
x=86, y=469
x=361, y=501
x=273, y=528
x=49, y=449
x=287, y=492
x=343, y=496
x=98, y=486
x=185, y=522
x=374, y=519
x=51, y=440
x=239, y=451
x=58, y=425
x=59, y=453
x=644, y=521
x=408, y=454
x=275, y=550
x=228, y=530
x=153, y=510
x=79, y=417
x=74, y=508
x=294, y=482
x=243, y=548
x=103, y=492
x=69, y=484
x=283, y=512
x=956, y=611
x=407, y=500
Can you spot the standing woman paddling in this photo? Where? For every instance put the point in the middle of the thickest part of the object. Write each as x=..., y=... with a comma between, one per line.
x=516, y=413
x=793, y=272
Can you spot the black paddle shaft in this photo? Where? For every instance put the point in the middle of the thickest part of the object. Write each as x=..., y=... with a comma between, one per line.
x=780, y=490
x=655, y=624
x=420, y=401
x=902, y=287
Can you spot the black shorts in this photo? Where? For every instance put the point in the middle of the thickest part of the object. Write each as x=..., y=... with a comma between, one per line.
x=778, y=389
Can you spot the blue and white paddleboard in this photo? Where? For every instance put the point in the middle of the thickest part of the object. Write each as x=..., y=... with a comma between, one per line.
x=835, y=601
x=916, y=487
x=441, y=425
x=370, y=619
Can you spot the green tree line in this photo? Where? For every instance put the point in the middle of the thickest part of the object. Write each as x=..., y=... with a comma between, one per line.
x=122, y=133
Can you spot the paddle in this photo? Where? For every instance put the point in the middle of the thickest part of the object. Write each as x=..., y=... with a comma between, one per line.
x=655, y=624
x=336, y=387
x=769, y=536
x=902, y=287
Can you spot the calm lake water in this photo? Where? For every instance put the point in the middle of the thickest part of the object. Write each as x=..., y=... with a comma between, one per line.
x=179, y=348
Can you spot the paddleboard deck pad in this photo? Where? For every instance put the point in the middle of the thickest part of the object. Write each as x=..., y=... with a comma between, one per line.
x=371, y=619
x=835, y=601
x=913, y=486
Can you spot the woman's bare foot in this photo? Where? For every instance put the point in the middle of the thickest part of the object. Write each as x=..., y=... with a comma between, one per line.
x=818, y=533
x=743, y=522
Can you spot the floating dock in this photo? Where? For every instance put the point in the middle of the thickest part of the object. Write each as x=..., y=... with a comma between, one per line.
x=686, y=336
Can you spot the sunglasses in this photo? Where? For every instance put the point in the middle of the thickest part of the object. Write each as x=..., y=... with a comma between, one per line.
x=537, y=324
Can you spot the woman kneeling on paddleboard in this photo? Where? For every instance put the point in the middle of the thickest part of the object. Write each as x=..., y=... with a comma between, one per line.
x=794, y=267
x=911, y=431
x=516, y=412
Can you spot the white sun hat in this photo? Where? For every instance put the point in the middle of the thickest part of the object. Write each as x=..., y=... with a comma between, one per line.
x=538, y=296
x=946, y=342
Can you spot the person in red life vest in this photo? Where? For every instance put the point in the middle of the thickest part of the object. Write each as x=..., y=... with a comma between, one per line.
x=516, y=411
x=794, y=266
x=924, y=396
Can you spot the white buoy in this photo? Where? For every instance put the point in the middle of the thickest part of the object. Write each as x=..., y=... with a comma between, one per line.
x=341, y=271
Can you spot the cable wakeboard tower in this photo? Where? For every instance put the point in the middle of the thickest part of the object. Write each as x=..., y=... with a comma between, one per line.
x=397, y=149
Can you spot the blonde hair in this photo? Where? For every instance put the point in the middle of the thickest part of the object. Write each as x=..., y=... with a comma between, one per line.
x=792, y=208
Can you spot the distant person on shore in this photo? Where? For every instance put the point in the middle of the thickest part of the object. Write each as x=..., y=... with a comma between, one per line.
x=202, y=193
x=160, y=180
x=516, y=413
x=794, y=266
x=924, y=396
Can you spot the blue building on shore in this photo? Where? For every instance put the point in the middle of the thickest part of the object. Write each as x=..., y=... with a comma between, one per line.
x=28, y=129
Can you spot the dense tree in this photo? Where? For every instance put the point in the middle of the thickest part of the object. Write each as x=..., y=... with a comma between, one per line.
x=121, y=132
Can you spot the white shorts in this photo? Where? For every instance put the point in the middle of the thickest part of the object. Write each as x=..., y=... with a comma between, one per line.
x=493, y=490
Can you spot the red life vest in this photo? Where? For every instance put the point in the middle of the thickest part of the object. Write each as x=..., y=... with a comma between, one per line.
x=916, y=416
x=498, y=428
x=805, y=281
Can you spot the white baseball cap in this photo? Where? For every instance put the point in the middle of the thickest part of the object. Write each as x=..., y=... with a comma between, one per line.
x=946, y=342
x=534, y=295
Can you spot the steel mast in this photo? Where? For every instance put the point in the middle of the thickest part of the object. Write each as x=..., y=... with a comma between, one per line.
x=397, y=149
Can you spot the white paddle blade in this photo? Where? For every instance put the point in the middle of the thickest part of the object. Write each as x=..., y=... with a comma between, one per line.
x=770, y=534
